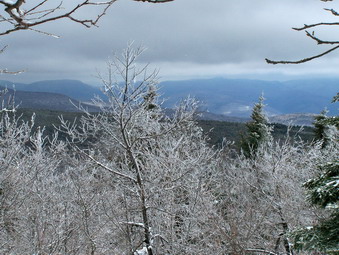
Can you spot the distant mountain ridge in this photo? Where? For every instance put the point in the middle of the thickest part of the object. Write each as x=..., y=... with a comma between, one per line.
x=44, y=100
x=236, y=97
x=218, y=97
x=71, y=88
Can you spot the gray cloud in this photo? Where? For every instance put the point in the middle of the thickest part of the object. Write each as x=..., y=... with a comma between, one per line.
x=185, y=38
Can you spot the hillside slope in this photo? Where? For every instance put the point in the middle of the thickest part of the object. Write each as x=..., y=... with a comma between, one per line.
x=44, y=100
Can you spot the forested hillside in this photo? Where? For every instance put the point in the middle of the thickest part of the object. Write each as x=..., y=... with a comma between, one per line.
x=216, y=131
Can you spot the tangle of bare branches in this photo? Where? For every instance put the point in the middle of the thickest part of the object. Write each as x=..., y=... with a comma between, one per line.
x=19, y=15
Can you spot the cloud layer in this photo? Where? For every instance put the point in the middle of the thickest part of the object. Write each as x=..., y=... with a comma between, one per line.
x=185, y=38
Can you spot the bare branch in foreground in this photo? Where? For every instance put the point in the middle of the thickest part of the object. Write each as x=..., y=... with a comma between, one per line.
x=316, y=25
x=18, y=18
x=319, y=41
x=315, y=38
x=302, y=60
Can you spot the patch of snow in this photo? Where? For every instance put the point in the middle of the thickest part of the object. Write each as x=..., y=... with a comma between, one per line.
x=143, y=251
x=334, y=183
x=137, y=224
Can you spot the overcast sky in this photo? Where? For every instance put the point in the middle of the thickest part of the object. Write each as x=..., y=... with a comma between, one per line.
x=185, y=39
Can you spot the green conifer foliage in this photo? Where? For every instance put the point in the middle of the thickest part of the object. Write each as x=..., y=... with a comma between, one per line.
x=320, y=126
x=323, y=191
x=259, y=130
x=325, y=128
x=150, y=99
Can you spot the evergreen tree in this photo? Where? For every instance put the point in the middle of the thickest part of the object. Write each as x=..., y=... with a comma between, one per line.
x=335, y=98
x=325, y=128
x=323, y=191
x=259, y=130
x=334, y=121
x=150, y=99
x=319, y=125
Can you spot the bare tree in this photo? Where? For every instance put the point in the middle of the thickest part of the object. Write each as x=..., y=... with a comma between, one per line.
x=158, y=164
x=314, y=37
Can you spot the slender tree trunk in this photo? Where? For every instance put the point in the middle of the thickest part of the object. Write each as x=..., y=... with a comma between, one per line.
x=286, y=243
x=143, y=204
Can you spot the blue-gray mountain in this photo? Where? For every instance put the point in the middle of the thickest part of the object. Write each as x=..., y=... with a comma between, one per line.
x=236, y=97
x=71, y=88
x=43, y=100
x=232, y=97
